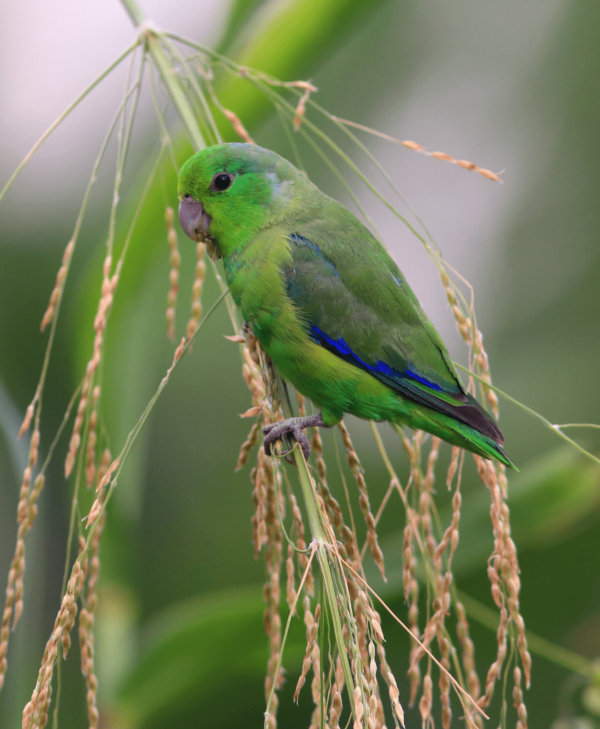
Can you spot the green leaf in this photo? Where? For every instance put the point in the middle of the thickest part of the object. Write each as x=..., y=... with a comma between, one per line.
x=193, y=650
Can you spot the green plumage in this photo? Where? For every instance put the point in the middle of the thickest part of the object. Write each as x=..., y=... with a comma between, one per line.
x=325, y=299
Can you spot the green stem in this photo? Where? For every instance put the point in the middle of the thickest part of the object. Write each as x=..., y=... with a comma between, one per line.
x=168, y=72
x=324, y=545
x=189, y=75
x=135, y=12
x=578, y=425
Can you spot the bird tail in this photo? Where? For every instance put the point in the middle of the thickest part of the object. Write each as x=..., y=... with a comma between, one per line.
x=484, y=446
x=468, y=435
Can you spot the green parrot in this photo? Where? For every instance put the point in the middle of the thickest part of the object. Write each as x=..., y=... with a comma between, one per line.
x=326, y=301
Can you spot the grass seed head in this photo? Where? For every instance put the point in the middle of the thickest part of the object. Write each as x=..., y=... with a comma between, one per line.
x=247, y=446
x=59, y=286
x=197, y=286
x=365, y=507
x=238, y=127
x=175, y=262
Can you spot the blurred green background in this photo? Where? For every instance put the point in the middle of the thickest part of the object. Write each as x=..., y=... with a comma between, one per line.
x=509, y=86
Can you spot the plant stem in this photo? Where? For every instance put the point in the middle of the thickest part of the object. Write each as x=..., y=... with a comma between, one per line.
x=168, y=72
x=135, y=12
x=322, y=541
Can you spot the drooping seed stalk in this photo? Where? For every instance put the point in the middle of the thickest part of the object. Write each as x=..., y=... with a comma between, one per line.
x=324, y=543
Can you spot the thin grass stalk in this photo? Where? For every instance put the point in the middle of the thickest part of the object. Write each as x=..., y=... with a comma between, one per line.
x=152, y=39
x=323, y=545
x=195, y=86
x=109, y=282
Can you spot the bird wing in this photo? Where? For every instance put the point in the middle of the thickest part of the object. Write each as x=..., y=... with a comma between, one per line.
x=354, y=301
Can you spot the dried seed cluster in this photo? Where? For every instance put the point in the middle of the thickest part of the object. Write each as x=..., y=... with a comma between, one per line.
x=472, y=337
x=301, y=108
x=91, y=568
x=59, y=286
x=415, y=147
x=312, y=628
x=197, y=286
x=175, y=261
x=237, y=125
x=503, y=573
x=35, y=713
x=272, y=590
x=26, y=513
x=358, y=473
x=92, y=438
x=109, y=284
x=437, y=554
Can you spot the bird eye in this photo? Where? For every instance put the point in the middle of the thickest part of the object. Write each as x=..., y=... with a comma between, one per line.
x=188, y=198
x=222, y=181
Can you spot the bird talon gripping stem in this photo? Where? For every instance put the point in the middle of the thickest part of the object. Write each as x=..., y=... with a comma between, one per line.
x=294, y=428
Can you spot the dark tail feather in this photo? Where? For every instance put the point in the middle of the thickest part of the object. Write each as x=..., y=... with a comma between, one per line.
x=471, y=413
x=485, y=445
x=474, y=415
x=465, y=409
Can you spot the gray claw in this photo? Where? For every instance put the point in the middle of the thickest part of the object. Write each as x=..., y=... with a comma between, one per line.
x=292, y=427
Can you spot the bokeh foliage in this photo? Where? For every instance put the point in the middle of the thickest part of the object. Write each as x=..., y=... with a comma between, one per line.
x=178, y=534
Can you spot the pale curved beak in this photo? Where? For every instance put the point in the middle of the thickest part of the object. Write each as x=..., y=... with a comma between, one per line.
x=193, y=219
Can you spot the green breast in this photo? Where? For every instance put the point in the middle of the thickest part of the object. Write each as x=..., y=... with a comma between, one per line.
x=256, y=283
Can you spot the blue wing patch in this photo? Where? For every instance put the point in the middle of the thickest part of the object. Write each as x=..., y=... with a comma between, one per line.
x=380, y=368
x=309, y=270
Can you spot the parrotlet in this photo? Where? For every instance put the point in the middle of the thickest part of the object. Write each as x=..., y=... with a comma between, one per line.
x=326, y=301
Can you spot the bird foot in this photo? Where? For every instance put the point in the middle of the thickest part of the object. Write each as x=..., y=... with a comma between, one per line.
x=291, y=428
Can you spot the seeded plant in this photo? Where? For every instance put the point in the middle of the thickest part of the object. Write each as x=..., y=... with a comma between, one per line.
x=306, y=534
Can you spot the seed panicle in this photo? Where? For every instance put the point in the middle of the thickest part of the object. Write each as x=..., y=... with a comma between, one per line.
x=198, y=285
x=175, y=262
x=59, y=286
x=26, y=513
x=365, y=507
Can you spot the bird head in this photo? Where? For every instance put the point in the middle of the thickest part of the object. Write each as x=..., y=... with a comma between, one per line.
x=229, y=191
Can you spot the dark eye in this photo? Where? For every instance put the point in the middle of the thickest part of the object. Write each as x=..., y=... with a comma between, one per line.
x=222, y=181
x=188, y=198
